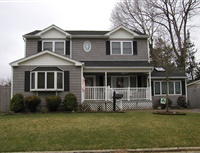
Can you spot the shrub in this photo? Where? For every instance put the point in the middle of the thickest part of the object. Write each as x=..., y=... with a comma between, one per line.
x=53, y=102
x=32, y=102
x=157, y=104
x=17, y=103
x=181, y=102
x=70, y=102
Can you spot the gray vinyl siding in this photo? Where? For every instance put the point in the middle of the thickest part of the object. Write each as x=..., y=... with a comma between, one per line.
x=75, y=82
x=98, y=51
x=172, y=97
x=31, y=47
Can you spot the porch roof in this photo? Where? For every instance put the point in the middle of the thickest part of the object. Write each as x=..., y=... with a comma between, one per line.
x=174, y=74
x=117, y=64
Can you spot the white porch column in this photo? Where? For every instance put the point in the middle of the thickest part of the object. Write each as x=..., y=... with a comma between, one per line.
x=82, y=86
x=106, y=87
x=150, y=86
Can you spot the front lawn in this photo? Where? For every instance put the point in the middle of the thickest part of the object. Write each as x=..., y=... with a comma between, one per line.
x=85, y=131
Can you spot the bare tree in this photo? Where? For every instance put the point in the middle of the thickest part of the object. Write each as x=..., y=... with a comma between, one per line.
x=5, y=82
x=174, y=15
x=164, y=54
x=134, y=14
x=148, y=16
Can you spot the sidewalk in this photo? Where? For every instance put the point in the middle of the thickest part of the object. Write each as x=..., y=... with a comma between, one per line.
x=148, y=150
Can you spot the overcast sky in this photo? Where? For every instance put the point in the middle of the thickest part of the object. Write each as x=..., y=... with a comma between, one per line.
x=19, y=17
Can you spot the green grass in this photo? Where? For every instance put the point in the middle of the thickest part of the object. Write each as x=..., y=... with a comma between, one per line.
x=83, y=131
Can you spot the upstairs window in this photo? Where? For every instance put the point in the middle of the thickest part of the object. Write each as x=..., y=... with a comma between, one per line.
x=54, y=46
x=121, y=48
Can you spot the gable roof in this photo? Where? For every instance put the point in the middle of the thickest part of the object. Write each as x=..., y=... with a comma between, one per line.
x=26, y=59
x=134, y=33
x=86, y=33
x=52, y=27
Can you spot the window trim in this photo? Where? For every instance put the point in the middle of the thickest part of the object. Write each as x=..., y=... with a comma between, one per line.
x=53, y=45
x=45, y=81
x=121, y=47
x=160, y=82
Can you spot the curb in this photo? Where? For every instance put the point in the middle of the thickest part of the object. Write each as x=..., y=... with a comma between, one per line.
x=151, y=150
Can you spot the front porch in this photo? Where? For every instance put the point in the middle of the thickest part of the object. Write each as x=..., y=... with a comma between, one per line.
x=102, y=93
x=101, y=98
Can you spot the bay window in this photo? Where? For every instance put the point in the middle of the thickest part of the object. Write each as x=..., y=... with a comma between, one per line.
x=46, y=81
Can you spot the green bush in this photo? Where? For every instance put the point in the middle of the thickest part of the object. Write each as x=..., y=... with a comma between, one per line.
x=70, y=102
x=53, y=102
x=157, y=104
x=181, y=102
x=31, y=103
x=17, y=103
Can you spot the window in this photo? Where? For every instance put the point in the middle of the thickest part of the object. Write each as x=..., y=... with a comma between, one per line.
x=120, y=82
x=57, y=46
x=47, y=81
x=121, y=48
x=174, y=88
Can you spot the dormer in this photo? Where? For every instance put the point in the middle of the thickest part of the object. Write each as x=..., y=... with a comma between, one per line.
x=123, y=41
x=51, y=38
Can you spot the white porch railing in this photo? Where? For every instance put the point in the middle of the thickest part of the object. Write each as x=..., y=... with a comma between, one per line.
x=105, y=93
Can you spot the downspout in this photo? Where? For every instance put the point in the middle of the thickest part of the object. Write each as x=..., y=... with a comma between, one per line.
x=70, y=37
x=11, y=82
x=24, y=46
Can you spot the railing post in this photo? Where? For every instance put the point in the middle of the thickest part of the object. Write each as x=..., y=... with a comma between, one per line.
x=128, y=94
x=106, y=93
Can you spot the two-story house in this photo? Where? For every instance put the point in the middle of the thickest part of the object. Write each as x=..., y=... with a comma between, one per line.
x=90, y=64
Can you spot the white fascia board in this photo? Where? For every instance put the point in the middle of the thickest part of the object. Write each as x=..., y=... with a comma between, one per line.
x=52, y=27
x=16, y=63
x=120, y=27
x=118, y=69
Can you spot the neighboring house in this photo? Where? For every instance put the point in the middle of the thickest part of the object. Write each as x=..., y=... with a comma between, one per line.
x=193, y=88
x=90, y=64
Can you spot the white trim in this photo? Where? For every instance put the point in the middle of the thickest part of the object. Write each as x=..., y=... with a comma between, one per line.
x=52, y=27
x=135, y=35
x=118, y=69
x=53, y=45
x=17, y=63
x=45, y=81
x=121, y=47
x=160, y=82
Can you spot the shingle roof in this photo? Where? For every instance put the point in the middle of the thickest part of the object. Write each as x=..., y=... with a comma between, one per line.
x=175, y=73
x=87, y=32
x=81, y=32
x=117, y=63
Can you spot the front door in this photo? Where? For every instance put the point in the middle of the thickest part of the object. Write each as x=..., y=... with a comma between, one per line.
x=120, y=82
